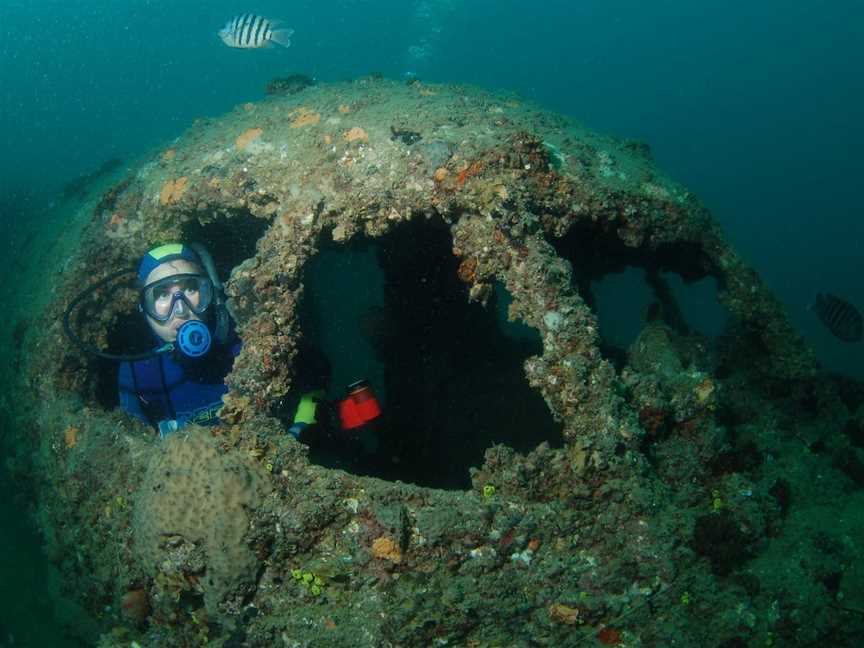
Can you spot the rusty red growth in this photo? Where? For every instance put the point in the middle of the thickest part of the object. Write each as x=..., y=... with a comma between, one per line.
x=609, y=637
x=474, y=169
x=135, y=605
x=652, y=419
x=507, y=539
x=468, y=270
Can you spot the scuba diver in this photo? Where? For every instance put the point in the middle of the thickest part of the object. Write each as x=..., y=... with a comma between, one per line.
x=181, y=380
x=170, y=390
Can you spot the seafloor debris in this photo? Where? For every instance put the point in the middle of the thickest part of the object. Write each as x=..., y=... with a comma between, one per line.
x=624, y=496
x=404, y=135
x=292, y=84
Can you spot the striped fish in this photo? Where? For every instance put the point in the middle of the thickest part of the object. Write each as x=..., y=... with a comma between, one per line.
x=839, y=316
x=249, y=31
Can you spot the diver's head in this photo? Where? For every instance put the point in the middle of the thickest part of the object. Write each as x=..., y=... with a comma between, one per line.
x=175, y=289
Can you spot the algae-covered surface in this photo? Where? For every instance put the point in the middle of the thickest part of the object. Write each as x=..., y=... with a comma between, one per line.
x=530, y=489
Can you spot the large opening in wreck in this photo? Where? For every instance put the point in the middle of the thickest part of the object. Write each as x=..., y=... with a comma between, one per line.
x=630, y=288
x=448, y=373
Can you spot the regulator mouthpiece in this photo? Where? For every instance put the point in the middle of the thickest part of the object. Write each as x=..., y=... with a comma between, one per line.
x=193, y=339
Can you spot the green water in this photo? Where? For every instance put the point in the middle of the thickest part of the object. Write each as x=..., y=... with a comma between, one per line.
x=28, y=611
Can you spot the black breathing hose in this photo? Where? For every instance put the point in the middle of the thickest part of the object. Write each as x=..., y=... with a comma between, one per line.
x=221, y=332
x=88, y=348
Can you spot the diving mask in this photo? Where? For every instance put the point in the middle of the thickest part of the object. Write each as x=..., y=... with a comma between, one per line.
x=171, y=295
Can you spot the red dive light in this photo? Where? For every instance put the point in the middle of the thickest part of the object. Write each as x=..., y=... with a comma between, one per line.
x=359, y=407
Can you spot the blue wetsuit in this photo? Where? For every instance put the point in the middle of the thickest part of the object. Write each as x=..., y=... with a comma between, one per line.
x=168, y=392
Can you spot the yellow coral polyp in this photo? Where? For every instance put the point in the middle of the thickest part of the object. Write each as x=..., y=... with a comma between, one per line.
x=173, y=190
x=246, y=137
x=716, y=501
x=355, y=134
x=70, y=437
x=304, y=117
x=386, y=548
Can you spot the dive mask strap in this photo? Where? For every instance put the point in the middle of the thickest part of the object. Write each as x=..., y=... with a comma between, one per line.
x=222, y=318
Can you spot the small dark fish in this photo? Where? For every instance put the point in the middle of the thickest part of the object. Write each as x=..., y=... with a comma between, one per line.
x=249, y=31
x=839, y=316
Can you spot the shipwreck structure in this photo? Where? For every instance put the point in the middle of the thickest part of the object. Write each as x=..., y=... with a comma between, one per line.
x=531, y=485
